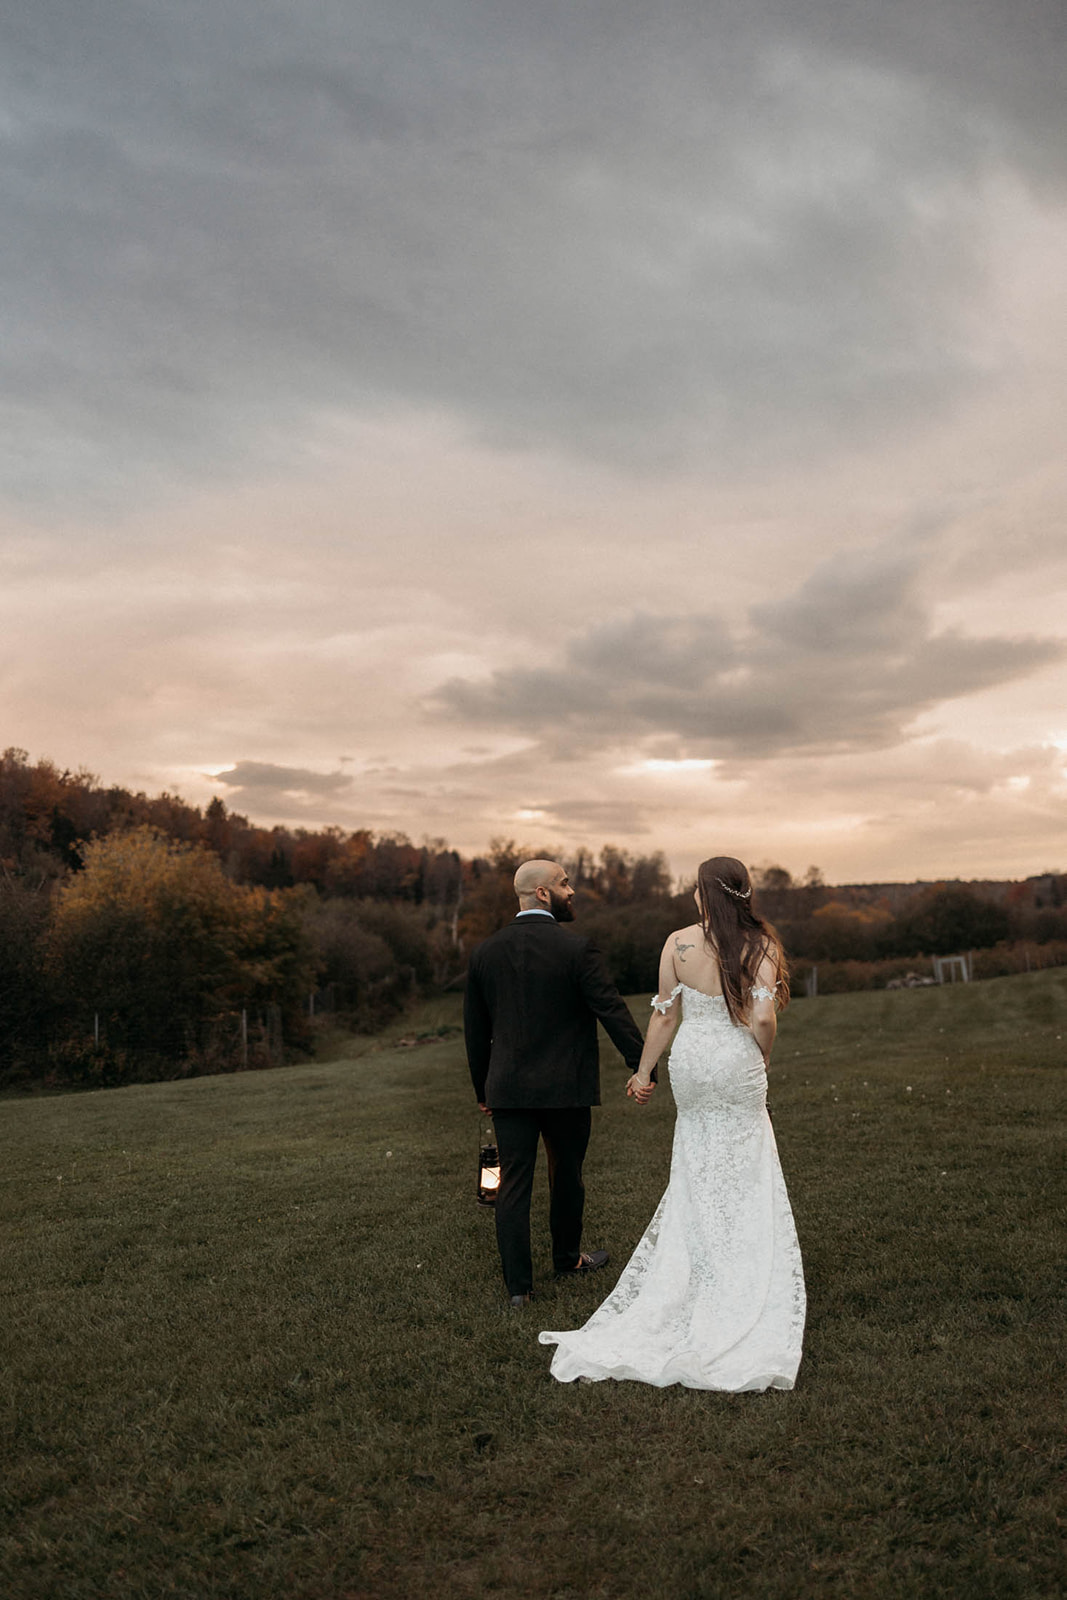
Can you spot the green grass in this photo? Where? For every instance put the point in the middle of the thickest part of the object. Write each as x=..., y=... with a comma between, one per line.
x=256, y=1344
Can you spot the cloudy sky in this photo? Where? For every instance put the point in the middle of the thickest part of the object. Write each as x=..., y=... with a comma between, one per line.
x=570, y=420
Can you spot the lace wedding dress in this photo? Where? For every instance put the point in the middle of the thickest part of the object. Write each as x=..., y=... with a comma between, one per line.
x=713, y=1296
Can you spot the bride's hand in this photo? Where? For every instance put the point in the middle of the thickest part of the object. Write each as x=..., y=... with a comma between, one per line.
x=641, y=1092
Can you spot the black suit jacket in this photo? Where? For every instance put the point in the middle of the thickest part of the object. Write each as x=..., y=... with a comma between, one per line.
x=534, y=993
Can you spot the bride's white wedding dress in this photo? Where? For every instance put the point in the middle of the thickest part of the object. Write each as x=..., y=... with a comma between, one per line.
x=713, y=1296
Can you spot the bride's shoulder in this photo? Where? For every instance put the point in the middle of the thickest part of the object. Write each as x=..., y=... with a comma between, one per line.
x=683, y=939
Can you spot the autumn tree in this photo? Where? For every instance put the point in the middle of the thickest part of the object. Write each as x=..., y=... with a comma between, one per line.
x=944, y=919
x=489, y=900
x=838, y=932
x=155, y=939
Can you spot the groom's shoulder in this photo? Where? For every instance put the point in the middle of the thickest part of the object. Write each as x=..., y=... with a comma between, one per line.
x=569, y=945
x=491, y=939
x=543, y=927
x=577, y=943
x=517, y=928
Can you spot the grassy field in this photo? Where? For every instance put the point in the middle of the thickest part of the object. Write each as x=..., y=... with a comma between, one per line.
x=256, y=1344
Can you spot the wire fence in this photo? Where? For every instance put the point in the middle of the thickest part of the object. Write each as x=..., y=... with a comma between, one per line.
x=108, y=1046
x=825, y=977
x=88, y=1041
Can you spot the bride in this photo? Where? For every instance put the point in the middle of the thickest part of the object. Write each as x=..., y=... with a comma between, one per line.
x=713, y=1296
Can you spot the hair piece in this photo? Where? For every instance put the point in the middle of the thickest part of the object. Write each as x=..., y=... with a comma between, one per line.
x=741, y=939
x=738, y=894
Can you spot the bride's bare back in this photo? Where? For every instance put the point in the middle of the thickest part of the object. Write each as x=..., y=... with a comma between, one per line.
x=691, y=958
x=694, y=961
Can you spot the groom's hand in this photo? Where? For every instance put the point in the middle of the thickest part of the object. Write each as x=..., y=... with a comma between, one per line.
x=641, y=1092
x=485, y=1111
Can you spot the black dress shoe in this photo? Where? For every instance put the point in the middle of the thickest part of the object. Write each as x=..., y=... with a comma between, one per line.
x=589, y=1261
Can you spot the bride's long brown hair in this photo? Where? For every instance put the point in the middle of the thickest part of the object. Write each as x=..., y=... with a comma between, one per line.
x=741, y=938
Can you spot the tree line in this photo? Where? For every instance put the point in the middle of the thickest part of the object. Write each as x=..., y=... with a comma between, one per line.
x=144, y=937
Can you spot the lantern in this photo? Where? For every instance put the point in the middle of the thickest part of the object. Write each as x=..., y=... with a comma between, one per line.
x=488, y=1172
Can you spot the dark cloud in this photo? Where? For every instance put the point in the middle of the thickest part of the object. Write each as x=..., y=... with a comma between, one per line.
x=260, y=786
x=600, y=817
x=683, y=232
x=847, y=662
x=637, y=650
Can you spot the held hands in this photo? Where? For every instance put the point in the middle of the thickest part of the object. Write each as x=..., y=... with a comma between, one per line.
x=639, y=1090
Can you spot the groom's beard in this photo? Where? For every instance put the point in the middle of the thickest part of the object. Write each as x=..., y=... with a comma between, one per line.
x=562, y=910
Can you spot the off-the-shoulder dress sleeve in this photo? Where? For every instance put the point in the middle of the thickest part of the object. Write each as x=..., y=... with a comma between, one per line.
x=663, y=1006
x=761, y=992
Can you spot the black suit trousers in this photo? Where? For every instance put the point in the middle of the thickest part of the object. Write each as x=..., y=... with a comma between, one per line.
x=566, y=1134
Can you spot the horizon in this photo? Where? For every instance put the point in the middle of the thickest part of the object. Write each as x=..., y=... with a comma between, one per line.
x=681, y=878
x=621, y=426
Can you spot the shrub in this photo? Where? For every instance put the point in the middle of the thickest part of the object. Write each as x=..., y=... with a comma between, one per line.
x=24, y=994
x=369, y=985
x=404, y=931
x=1001, y=961
x=1006, y=959
x=846, y=977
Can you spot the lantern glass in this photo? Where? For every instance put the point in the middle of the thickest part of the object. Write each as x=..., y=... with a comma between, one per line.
x=488, y=1174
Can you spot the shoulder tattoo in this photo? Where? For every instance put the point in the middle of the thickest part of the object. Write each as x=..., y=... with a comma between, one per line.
x=682, y=948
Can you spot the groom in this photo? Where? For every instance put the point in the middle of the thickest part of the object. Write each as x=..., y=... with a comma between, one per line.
x=534, y=993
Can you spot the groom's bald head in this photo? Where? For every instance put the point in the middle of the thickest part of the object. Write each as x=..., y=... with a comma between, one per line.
x=534, y=875
x=544, y=886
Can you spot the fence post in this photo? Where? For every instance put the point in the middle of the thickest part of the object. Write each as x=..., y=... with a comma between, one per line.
x=96, y=1030
x=311, y=1004
x=244, y=1039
